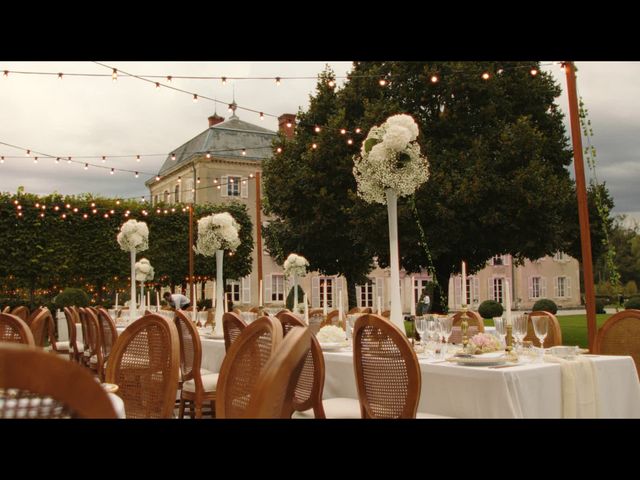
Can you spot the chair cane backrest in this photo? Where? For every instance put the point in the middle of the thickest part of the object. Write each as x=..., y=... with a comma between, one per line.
x=22, y=313
x=475, y=320
x=61, y=389
x=387, y=369
x=190, y=349
x=86, y=334
x=620, y=335
x=145, y=363
x=42, y=328
x=308, y=390
x=14, y=330
x=274, y=391
x=232, y=326
x=70, y=316
x=554, y=332
x=243, y=364
x=108, y=332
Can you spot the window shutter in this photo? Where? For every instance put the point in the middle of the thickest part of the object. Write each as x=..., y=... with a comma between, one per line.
x=267, y=288
x=244, y=188
x=543, y=287
x=490, y=289
x=315, y=292
x=555, y=287
x=567, y=287
x=476, y=288
x=379, y=283
x=224, y=192
x=358, y=296
x=187, y=194
x=531, y=287
x=458, y=290
x=506, y=259
x=246, y=289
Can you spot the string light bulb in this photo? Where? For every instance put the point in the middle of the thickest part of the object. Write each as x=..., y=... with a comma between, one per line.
x=244, y=151
x=60, y=76
x=173, y=157
x=350, y=142
x=382, y=82
x=317, y=129
x=485, y=76
x=28, y=153
x=261, y=116
x=343, y=131
x=112, y=171
x=6, y=74
x=534, y=72
x=114, y=75
x=195, y=97
x=2, y=159
x=69, y=160
x=57, y=159
x=279, y=149
x=358, y=130
x=278, y=81
x=137, y=158
x=314, y=146
x=198, y=180
x=331, y=83
x=104, y=158
x=157, y=177
x=157, y=85
x=434, y=79
x=86, y=166
x=136, y=175
x=224, y=80
x=179, y=179
x=500, y=71
x=169, y=78
x=35, y=160
x=208, y=155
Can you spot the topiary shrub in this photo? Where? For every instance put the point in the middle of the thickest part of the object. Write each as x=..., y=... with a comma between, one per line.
x=600, y=306
x=546, y=305
x=490, y=309
x=290, y=297
x=71, y=296
x=633, y=302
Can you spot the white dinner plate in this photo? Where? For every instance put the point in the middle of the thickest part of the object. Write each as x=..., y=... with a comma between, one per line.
x=479, y=360
x=331, y=346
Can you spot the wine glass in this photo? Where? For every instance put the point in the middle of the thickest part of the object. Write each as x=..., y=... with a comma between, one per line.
x=431, y=329
x=421, y=327
x=540, y=324
x=520, y=329
x=501, y=330
x=447, y=327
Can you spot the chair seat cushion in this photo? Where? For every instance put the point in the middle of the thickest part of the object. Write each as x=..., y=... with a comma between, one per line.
x=60, y=346
x=203, y=372
x=335, y=408
x=209, y=382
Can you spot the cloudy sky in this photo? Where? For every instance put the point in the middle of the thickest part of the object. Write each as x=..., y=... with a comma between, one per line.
x=89, y=116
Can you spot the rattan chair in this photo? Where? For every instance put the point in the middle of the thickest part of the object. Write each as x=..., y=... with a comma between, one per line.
x=197, y=386
x=144, y=363
x=307, y=397
x=554, y=333
x=273, y=394
x=86, y=335
x=93, y=355
x=108, y=335
x=475, y=320
x=35, y=384
x=387, y=369
x=386, y=314
x=243, y=364
x=620, y=335
x=232, y=326
x=21, y=312
x=43, y=329
x=14, y=330
x=76, y=348
x=6, y=309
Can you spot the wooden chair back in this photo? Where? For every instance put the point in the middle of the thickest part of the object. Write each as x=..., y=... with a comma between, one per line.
x=274, y=391
x=42, y=328
x=232, y=326
x=190, y=349
x=35, y=384
x=14, y=330
x=74, y=350
x=144, y=363
x=34, y=313
x=475, y=320
x=554, y=333
x=108, y=332
x=387, y=369
x=386, y=314
x=86, y=333
x=308, y=390
x=243, y=364
x=620, y=335
x=254, y=309
x=6, y=309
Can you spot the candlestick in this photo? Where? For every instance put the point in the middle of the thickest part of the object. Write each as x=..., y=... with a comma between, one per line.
x=148, y=298
x=379, y=305
x=116, y=300
x=306, y=310
x=213, y=295
x=413, y=302
x=194, y=301
x=157, y=300
x=226, y=303
x=261, y=298
x=340, y=310
x=507, y=296
x=464, y=284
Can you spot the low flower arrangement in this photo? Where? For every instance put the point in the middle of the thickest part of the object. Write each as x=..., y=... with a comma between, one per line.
x=331, y=334
x=484, y=343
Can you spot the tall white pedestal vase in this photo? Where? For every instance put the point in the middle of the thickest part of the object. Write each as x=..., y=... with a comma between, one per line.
x=144, y=272
x=390, y=166
x=133, y=238
x=396, y=307
x=294, y=266
x=217, y=331
x=217, y=233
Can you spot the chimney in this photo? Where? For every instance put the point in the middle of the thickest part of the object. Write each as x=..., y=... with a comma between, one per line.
x=215, y=119
x=286, y=124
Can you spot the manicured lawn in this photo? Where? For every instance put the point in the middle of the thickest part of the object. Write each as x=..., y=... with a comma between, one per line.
x=574, y=328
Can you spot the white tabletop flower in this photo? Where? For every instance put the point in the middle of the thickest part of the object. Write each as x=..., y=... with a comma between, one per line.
x=390, y=158
x=133, y=235
x=217, y=232
x=295, y=265
x=144, y=270
x=331, y=334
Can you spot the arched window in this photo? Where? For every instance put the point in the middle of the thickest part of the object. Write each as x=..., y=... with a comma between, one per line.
x=166, y=196
x=176, y=197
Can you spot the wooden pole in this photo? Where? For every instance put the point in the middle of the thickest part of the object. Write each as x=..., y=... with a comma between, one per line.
x=259, y=230
x=583, y=210
x=190, y=249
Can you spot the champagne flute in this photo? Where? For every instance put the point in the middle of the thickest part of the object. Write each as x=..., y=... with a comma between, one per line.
x=421, y=327
x=501, y=330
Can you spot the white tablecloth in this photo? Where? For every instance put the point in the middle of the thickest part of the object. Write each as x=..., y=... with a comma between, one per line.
x=531, y=390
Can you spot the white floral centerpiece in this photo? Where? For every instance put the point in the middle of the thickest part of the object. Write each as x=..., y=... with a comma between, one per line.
x=133, y=237
x=217, y=233
x=390, y=165
x=144, y=273
x=483, y=343
x=331, y=334
x=295, y=266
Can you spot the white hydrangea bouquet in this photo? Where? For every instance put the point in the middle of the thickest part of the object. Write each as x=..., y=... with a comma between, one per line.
x=217, y=233
x=295, y=266
x=331, y=334
x=390, y=165
x=144, y=270
x=133, y=237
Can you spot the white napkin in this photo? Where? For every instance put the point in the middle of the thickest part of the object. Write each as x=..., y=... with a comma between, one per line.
x=579, y=388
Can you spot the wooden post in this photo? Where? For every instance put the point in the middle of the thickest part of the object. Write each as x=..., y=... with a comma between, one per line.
x=259, y=230
x=191, y=207
x=583, y=210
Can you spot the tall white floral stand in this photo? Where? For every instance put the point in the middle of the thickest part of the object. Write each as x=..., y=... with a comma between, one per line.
x=218, y=331
x=295, y=294
x=396, y=307
x=132, y=303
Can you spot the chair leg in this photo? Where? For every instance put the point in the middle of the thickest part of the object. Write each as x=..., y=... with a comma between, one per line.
x=198, y=408
x=181, y=410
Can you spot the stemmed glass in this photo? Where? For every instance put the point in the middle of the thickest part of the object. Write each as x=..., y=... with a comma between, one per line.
x=501, y=330
x=520, y=329
x=540, y=324
x=421, y=327
x=447, y=327
x=431, y=329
